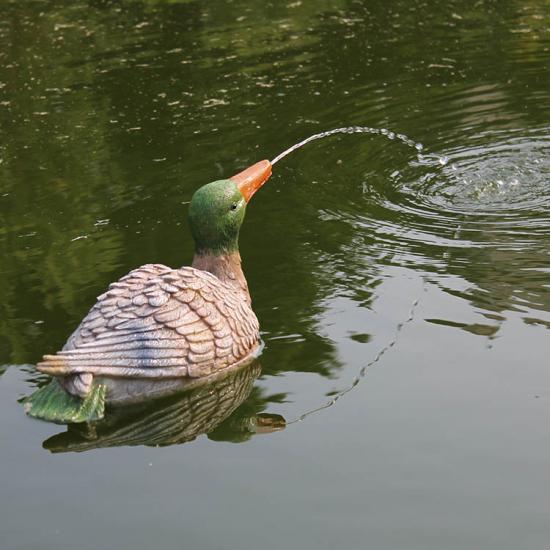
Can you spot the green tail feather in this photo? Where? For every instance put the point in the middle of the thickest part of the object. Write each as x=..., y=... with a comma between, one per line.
x=54, y=404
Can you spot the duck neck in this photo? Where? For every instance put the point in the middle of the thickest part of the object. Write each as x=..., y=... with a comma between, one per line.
x=226, y=267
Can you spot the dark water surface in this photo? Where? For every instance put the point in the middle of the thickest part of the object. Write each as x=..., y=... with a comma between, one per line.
x=409, y=287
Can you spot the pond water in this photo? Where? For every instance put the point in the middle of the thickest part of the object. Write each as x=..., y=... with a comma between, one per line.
x=403, y=289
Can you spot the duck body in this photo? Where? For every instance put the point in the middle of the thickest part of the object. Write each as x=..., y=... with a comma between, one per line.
x=157, y=322
x=159, y=329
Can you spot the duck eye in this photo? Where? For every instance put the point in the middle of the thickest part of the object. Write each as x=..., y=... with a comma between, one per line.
x=234, y=206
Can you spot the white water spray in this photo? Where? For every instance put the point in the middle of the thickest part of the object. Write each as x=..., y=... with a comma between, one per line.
x=351, y=130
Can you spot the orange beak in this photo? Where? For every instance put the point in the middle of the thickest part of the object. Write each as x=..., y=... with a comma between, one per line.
x=250, y=180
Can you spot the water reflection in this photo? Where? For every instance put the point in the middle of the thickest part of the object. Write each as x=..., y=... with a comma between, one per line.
x=230, y=409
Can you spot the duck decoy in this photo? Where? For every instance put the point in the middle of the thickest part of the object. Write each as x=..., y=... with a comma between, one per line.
x=162, y=327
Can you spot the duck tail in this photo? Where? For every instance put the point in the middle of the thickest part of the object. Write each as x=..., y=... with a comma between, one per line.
x=54, y=404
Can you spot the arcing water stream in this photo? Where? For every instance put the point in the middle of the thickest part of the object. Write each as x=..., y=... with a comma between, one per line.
x=350, y=130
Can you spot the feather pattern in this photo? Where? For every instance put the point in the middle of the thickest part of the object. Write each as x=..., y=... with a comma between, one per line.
x=160, y=322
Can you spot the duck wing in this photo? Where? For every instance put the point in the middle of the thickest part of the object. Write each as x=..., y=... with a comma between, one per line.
x=160, y=322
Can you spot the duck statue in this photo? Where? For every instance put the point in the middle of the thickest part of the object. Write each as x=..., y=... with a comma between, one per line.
x=159, y=327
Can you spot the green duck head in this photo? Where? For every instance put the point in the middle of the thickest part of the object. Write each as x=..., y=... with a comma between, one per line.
x=217, y=209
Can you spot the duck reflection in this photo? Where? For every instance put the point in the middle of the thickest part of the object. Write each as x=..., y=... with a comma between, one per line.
x=228, y=409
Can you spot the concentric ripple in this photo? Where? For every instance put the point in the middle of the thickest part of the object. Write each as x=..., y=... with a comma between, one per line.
x=492, y=192
x=474, y=217
x=503, y=177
